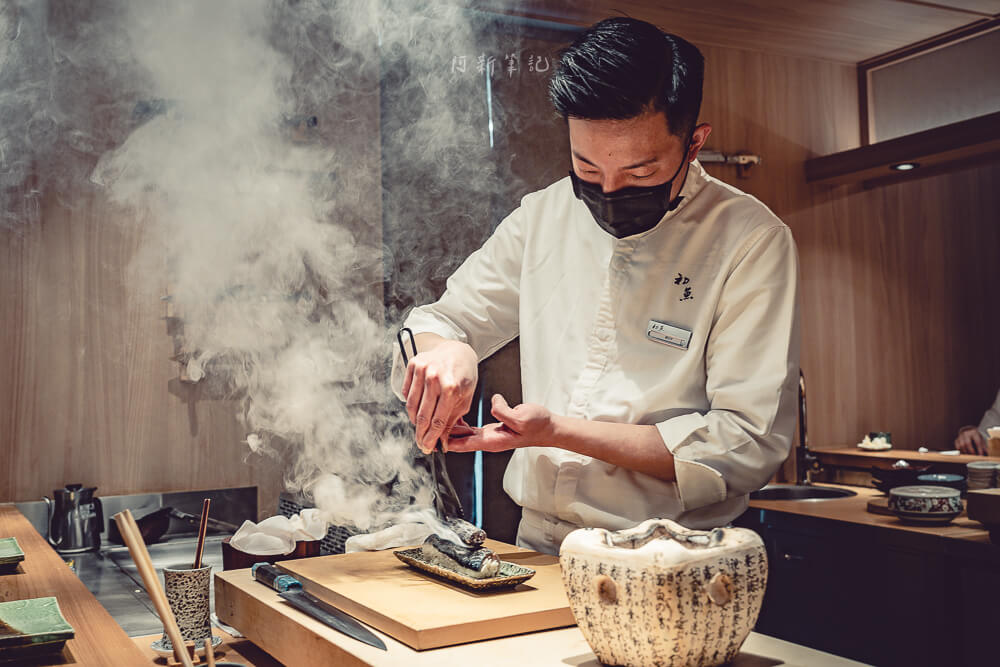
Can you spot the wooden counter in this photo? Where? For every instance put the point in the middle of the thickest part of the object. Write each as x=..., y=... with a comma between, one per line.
x=99, y=639
x=295, y=639
x=853, y=509
x=232, y=649
x=844, y=580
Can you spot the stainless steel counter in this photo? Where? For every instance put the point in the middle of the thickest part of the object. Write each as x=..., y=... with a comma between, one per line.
x=110, y=573
x=112, y=577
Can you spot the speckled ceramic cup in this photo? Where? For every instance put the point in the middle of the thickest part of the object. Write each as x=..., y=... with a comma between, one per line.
x=187, y=593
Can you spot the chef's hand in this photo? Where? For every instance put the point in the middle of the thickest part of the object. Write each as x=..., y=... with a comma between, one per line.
x=438, y=387
x=970, y=441
x=526, y=425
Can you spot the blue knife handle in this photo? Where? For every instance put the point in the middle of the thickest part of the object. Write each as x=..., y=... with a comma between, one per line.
x=268, y=574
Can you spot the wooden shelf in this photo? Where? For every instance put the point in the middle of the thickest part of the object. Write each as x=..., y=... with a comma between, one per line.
x=936, y=151
x=854, y=457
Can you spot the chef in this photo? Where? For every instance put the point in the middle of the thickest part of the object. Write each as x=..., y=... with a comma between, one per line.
x=972, y=439
x=656, y=308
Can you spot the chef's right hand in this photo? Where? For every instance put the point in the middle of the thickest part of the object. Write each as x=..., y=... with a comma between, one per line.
x=438, y=387
x=970, y=441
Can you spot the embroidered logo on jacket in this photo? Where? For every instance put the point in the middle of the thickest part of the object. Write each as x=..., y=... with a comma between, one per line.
x=683, y=280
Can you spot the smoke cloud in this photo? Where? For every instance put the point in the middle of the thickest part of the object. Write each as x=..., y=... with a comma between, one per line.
x=306, y=170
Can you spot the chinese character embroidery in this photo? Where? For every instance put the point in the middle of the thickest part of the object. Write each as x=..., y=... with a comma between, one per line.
x=681, y=279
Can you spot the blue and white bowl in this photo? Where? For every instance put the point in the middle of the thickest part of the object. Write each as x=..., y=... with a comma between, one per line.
x=925, y=504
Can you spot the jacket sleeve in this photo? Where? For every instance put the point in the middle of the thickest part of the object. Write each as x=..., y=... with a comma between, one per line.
x=991, y=418
x=751, y=365
x=481, y=300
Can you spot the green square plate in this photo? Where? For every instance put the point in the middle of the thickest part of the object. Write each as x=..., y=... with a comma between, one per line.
x=10, y=554
x=29, y=627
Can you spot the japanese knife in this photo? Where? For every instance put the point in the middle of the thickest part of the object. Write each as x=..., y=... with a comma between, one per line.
x=290, y=589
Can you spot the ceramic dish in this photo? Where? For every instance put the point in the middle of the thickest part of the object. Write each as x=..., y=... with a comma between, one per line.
x=943, y=479
x=163, y=648
x=510, y=575
x=935, y=519
x=10, y=554
x=983, y=505
x=886, y=479
x=925, y=503
x=32, y=627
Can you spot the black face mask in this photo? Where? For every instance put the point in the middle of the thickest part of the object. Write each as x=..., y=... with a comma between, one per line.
x=628, y=211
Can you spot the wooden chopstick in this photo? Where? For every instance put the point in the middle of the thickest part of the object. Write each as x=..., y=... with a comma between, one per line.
x=202, y=529
x=209, y=652
x=140, y=556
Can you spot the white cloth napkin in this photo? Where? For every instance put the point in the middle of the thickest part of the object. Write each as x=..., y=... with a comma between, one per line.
x=277, y=535
x=399, y=535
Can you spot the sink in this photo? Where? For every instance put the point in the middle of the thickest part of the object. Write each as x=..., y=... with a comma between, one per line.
x=794, y=492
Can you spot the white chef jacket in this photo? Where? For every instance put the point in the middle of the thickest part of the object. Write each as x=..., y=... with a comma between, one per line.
x=721, y=266
x=990, y=418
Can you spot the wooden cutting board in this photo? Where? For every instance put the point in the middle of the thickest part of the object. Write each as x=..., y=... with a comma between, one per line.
x=880, y=505
x=425, y=612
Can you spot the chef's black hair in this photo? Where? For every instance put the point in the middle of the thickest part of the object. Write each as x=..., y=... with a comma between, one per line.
x=621, y=67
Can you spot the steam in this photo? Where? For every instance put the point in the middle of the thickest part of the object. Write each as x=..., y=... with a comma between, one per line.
x=58, y=60
x=243, y=136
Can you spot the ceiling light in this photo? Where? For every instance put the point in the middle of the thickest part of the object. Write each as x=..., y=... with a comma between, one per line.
x=905, y=166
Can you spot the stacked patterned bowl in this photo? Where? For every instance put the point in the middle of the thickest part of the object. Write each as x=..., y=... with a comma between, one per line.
x=982, y=474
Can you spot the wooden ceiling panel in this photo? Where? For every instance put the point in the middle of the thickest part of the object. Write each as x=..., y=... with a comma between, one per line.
x=844, y=31
x=982, y=7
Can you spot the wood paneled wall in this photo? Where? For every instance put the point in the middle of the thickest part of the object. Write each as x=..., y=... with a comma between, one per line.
x=88, y=390
x=900, y=284
x=87, y=380
x=899, y=295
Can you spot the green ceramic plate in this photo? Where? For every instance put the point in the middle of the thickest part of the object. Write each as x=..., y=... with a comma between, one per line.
x=510, y=575
x=10, y=551
x=32, y=626
x=10, y=555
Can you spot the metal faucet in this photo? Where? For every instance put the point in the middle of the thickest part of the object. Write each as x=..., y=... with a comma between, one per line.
x=806, y=464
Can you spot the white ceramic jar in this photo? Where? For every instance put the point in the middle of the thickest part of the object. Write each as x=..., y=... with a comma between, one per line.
x=661, y=594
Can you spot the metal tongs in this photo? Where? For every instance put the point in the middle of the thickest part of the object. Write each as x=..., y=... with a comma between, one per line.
x=447, y=503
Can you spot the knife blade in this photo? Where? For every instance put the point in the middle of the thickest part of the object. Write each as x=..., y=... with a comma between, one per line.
x=290, y=589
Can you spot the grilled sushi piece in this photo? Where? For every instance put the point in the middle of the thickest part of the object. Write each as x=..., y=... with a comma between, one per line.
x=475, y=562
x=466, y=531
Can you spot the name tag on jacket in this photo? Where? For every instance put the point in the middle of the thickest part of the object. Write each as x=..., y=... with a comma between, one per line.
x=668, y=334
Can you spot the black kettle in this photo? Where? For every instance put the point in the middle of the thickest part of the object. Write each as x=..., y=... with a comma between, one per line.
x=76, y=519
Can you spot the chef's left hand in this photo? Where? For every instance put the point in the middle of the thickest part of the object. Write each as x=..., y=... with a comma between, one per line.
x=526, y=425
